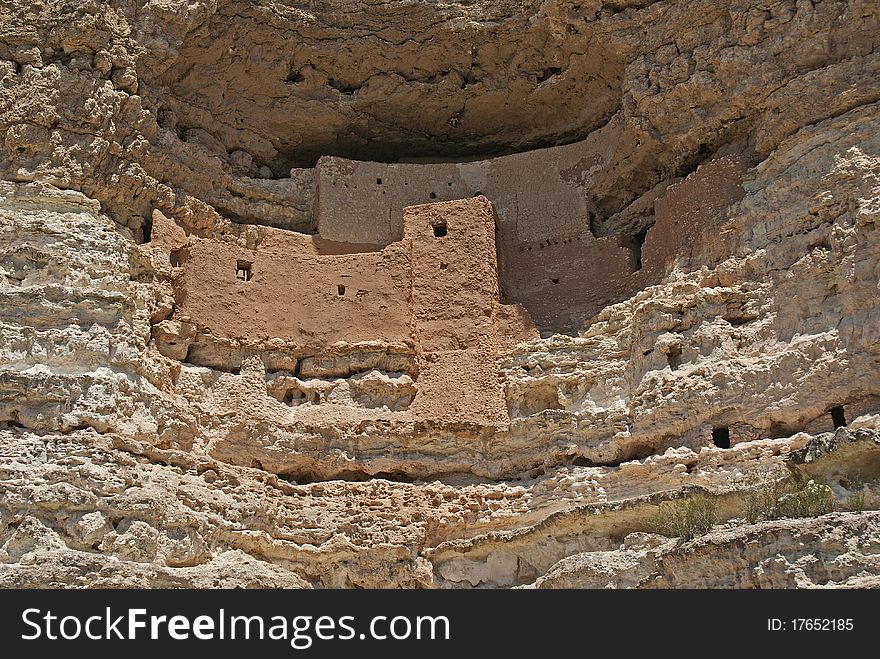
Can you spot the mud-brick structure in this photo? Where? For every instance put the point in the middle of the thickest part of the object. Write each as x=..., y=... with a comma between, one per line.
x=549, y=259
x=447, y=286
x=434, y=293
x=465, y=294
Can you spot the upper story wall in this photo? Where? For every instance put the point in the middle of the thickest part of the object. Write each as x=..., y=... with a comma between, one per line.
x=459, y=324
x=454, y=273
x=547, y=258
x=565, y=281
x=687, y=215
x=537, y=194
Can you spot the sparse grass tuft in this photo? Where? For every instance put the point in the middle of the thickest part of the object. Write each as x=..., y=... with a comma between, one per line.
x=865, y=494
x=790, y=497
x=855, y=502
x=687, y=518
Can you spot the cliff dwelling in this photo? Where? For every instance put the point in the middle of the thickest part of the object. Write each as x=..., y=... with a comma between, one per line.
x=440, y=295
x=452, y=263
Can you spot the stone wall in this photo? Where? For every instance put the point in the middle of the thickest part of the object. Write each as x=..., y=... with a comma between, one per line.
x=687, y=217
x=435, y=289
x=549, y=261
x=354, y=275
x=290, y=291
x=454, y=296
x=538, y=194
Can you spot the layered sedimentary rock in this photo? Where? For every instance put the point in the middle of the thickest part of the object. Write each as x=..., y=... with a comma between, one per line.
x=343, y=294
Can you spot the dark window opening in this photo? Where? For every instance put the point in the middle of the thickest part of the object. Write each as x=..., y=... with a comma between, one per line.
x=555, y=280
x=294, y=396
x=176, y=260
x=147, y=230
x=593, y=224
x=635, y=244
x=721, y=437
x=433, y=195
x=244, y=270
x=378, y=181
x=294, y=77
x=838, y=418
x=548, y=73
x=340, y=289
x=674, y=357
x=439, y=230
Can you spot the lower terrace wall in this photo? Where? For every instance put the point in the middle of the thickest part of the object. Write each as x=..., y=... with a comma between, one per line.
x=436, y=290
x=291, y=292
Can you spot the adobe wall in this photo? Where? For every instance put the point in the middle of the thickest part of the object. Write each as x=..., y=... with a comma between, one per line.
x=294, y=293
x=687, y=216
x=455, y=275
x=545, y=249
x=565, y=282
x=435, y=290
x=548, y=260
x=454, y=299
x=537, y=195
x=441, y=285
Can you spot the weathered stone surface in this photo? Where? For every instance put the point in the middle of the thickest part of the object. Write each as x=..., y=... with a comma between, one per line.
x=617, y=235
x=834, y=550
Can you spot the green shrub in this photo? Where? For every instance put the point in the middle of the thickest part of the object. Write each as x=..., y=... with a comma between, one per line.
x=790, y=497
x=687, y=518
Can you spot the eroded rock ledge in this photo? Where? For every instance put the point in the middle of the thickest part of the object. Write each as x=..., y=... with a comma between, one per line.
x=435, y=296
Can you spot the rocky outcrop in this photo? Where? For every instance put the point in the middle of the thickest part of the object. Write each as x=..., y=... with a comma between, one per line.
x=200, y=388
x=835, y=550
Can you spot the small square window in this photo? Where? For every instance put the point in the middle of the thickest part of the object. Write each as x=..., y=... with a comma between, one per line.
x=721, y=437
x=439, y=230
x=244, y=270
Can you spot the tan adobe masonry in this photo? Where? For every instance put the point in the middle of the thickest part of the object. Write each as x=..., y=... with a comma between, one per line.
x=549, y=260
x=447, y=291
x=543, y=202
x=434, y=294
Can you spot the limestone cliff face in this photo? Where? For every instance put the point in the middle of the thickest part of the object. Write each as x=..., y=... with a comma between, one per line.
x=604, y=257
